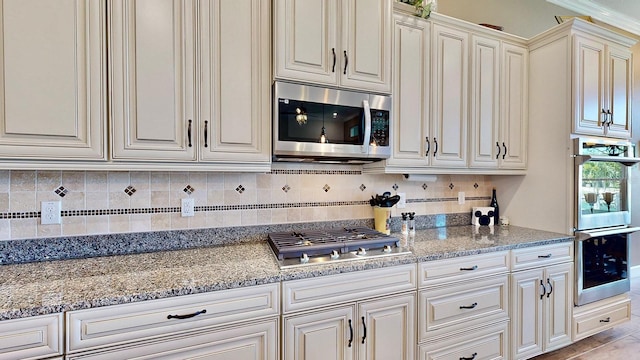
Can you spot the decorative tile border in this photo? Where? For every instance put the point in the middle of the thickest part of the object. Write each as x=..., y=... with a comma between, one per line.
x=206, y=208
x=316, y=172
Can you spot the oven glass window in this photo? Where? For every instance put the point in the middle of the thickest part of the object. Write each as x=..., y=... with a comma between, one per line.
x=603, y=187
x=304, y=121
x=604, y=260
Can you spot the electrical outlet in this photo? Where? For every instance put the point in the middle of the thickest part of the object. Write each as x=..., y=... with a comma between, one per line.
x=50, y=212
x=461, y=198
x=402, y=203
x=188, y=207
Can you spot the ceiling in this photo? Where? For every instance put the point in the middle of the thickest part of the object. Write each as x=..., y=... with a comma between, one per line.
x=623, y=14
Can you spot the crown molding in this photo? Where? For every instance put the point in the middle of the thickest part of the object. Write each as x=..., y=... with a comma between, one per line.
x=602, y=13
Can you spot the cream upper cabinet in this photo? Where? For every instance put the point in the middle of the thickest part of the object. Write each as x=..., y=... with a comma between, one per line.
x=53, y=80
x=602, y=74
x=152, y=69
x=449, y=111
x=411, y=89
x=235, y=97
x=498, y=109
x=336, y=43
x=170, y=105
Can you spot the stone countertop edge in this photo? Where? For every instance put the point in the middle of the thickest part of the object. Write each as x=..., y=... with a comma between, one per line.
x=52, y=287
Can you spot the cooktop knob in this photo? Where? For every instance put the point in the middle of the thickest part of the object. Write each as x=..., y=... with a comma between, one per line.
x=334, y=255
x=304, y=258
x=386, y=249
x=361, y=251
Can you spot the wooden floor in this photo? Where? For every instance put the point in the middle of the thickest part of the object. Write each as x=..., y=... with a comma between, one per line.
x=621, y=342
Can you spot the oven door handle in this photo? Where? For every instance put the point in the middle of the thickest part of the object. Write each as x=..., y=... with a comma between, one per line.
x=584, y=235
x=367, y=127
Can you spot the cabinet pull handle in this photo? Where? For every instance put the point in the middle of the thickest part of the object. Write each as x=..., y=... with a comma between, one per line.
x=189, y=133
x=550, y=288
x=544, y=256
x=544, y=289
x=350, y=333
x=333, y=68
x=435, y=151
x=346, y=62
x=180, y=317
x=428, y=146
x=472, y=306
x=474, y=267
x=473, y=356
x=604, y=117
x=504, y=153
x=206, y=137
x=498, y=146
x=364, y=332
x=610, y=118
x=608, y=319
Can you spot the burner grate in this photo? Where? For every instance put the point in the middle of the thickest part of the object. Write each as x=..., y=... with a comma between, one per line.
x=288, y=245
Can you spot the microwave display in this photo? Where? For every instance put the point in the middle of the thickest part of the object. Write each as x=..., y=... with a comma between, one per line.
x=311, y=122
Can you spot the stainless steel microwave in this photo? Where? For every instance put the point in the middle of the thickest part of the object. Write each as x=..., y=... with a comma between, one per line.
x=321, y=124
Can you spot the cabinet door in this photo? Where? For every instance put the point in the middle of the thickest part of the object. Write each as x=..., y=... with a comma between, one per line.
x=52, y=55
x=306, y=41
x=411, y=92
x=235, y=116
x=619, y=73
x=152, y=80
x=514, y=104
x=588, y=85
x=366, y=45
x=526, y=313
x=485, y=102
x=449, y=92
x=559, y=302
x=324, y=335
x=387, y=328
x=253, y=341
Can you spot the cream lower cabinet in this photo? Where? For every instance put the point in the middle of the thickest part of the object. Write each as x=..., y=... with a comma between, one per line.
x=189, y=82
x=463, y=308
x=53, y=83
x=542, y=299
x=32, y=338
x=230, y=324
x=370, y=315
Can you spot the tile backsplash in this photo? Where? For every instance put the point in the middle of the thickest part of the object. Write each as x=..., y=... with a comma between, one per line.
x=96, y=202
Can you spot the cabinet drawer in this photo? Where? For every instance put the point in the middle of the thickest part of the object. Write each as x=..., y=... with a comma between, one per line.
x=132, y=322
x=330, y=290
x=481, y=344
x=463, y=268
x=31, y=338
x=460, y=306
x=541, y=256
x=246, y=341
x=592, y=322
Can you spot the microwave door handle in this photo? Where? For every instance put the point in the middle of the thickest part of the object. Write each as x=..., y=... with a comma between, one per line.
x=367, y=127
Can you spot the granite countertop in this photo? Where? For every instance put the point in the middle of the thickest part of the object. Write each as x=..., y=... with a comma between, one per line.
x=51, y=287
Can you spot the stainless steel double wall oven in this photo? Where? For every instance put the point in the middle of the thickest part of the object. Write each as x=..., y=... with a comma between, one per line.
x=602, y=217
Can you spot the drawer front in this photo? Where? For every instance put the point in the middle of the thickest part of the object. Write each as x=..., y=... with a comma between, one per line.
x=541, y=256
x=463, y=268
x=455, y=308
x=245, y=341
x=587, y=324
x=31, y=338
x=132, y=322
x=330, y=290
x=489, y=343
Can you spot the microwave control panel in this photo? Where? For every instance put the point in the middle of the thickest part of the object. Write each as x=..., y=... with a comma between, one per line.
x=380, y=127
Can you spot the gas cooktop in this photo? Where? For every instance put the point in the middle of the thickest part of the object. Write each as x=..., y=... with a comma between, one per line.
x=296, y=248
